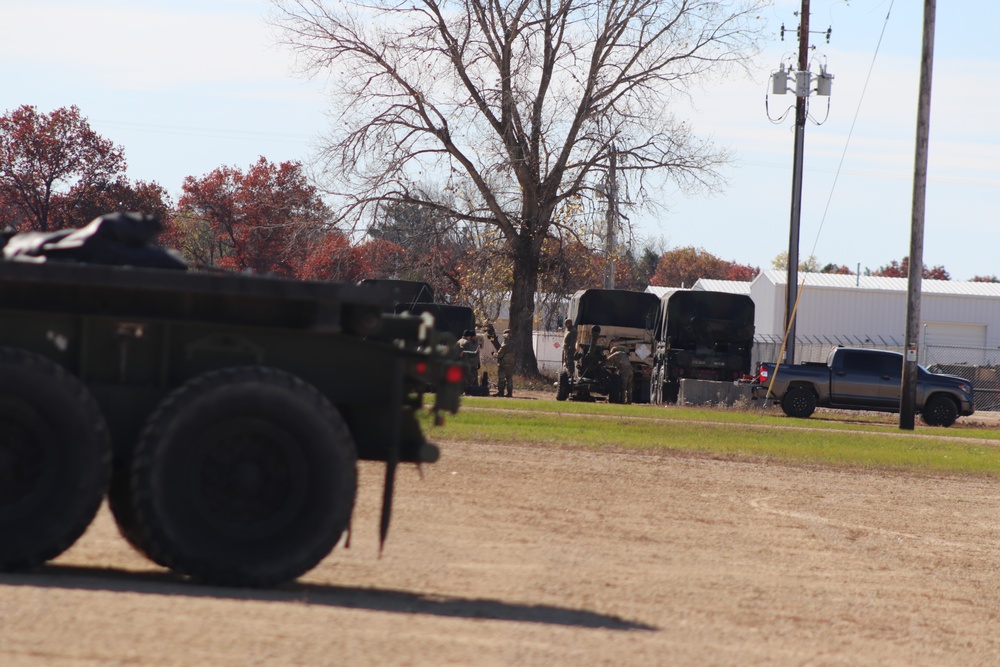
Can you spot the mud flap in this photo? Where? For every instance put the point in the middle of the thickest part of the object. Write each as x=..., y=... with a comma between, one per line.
x=392, y=455
x=387, y=491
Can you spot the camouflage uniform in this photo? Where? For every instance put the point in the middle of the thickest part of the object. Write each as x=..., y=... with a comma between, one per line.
x=619, y=359
x=469, y=348
x=506, y=358
x=569, y=348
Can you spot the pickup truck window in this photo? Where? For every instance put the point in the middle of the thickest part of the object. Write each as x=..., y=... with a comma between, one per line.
x=854, y=361
x=892, y=365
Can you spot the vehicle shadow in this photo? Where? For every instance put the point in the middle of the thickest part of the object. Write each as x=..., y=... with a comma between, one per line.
x=348, y=597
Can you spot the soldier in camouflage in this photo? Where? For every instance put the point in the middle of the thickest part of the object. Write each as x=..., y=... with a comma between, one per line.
x=619, y=360
x=469, y=348
x=569, y=348
x=506, y=359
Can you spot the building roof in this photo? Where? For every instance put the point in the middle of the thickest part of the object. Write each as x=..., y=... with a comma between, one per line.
x=879, y=283
x=661, y=291
x=728, y=286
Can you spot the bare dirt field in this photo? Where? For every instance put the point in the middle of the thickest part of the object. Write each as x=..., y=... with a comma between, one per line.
x=512, y=554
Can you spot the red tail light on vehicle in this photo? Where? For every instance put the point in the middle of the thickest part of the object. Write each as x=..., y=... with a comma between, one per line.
x=454, y=374
x=763, y=373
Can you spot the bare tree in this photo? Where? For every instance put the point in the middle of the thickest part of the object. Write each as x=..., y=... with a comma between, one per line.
x=515, y=105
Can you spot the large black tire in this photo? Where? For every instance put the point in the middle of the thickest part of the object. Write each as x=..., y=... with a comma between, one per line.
x=55, y=459
x=122, y=505
x=243, y=477
x=615, y=389
x=799, y=402
x=562, y=391
x=671, y=392
x=939, y=411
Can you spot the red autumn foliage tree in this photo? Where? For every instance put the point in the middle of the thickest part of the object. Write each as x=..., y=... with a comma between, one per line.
x=434, y=244
x=901, y=269
x=329, y=258
x=87, y=201
x=333, y=257
x=837, y=269
x=267, y=220
x=685, y=266
x=48, y=162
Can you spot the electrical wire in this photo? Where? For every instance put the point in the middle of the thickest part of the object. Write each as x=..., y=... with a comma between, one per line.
x=826, y=210
x=850, y=133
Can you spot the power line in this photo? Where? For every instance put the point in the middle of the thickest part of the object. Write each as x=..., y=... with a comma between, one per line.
x=850, y=133
x=205, y=132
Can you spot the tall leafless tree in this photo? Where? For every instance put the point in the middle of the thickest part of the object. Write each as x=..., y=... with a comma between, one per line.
x=516, y=105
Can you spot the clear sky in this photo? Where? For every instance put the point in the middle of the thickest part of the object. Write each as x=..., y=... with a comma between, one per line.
x=188, y=86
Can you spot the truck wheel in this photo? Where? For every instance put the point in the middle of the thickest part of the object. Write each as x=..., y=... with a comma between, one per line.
x=656, y=388
x=940, y=411
x=122, y=506
x=55, y=459
x=244, y=477
x=562, y=392
x=615, y=389
x=799, y=402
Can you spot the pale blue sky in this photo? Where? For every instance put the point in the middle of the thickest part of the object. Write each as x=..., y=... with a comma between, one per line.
x=186, y=87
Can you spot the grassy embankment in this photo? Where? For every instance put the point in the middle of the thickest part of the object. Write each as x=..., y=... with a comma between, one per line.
x=848, y=439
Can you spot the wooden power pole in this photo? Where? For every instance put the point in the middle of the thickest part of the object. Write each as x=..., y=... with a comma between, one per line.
x=908, y=389
x=801, y=106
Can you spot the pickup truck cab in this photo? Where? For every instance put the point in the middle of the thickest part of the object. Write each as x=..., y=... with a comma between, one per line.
x=863, y=379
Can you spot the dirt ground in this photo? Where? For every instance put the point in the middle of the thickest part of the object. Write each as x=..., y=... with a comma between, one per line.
x=511, y=554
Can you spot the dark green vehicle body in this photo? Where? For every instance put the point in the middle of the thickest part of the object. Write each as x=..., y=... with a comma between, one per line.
x=146, y=343
x=700, y=335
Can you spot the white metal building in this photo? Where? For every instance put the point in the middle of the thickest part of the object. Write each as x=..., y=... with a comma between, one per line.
x=959, y=321
x=952, y=313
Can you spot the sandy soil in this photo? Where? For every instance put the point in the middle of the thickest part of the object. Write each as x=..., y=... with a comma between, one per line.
x=509, y=554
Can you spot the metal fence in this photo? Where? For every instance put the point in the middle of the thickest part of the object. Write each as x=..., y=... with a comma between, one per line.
x=979, y=365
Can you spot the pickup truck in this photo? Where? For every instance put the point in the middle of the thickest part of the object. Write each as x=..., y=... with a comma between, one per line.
x=862, y=379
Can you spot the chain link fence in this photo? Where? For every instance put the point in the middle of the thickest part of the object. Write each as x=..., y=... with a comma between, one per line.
x=979, y=365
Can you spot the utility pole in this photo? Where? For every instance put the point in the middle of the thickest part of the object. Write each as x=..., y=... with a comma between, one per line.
x=611, y=219
x=801, y=97
x=802, y=79
x=908, y=388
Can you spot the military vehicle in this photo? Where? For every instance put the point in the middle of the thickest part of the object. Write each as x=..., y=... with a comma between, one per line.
x=401, y=291
x=622, y=318
x=454, y=320
x=222, y=415
x=700, y=335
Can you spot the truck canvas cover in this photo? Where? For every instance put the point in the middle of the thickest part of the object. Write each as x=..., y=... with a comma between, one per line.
x=622, y=308
x=716, y=316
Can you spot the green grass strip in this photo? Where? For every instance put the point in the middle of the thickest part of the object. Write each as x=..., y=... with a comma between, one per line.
x=731, y=433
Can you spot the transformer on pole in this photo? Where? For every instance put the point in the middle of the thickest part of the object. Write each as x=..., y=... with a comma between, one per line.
x=801, y=81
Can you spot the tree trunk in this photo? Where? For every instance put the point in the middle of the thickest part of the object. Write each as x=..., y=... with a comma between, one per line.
x=522, y=303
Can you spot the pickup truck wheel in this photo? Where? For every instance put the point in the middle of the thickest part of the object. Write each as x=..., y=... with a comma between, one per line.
x=562, y=391
x=244, y=477
x=799, y=402
x=55, y=459
x=940, y=411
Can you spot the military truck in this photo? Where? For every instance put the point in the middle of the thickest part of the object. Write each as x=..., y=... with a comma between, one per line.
x=401, y=291
x=622, y=318
x=454, y=320
x=700, y=335
x=222, y=415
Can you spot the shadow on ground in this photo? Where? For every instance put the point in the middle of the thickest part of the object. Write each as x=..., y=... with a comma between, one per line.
x=372, y=599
